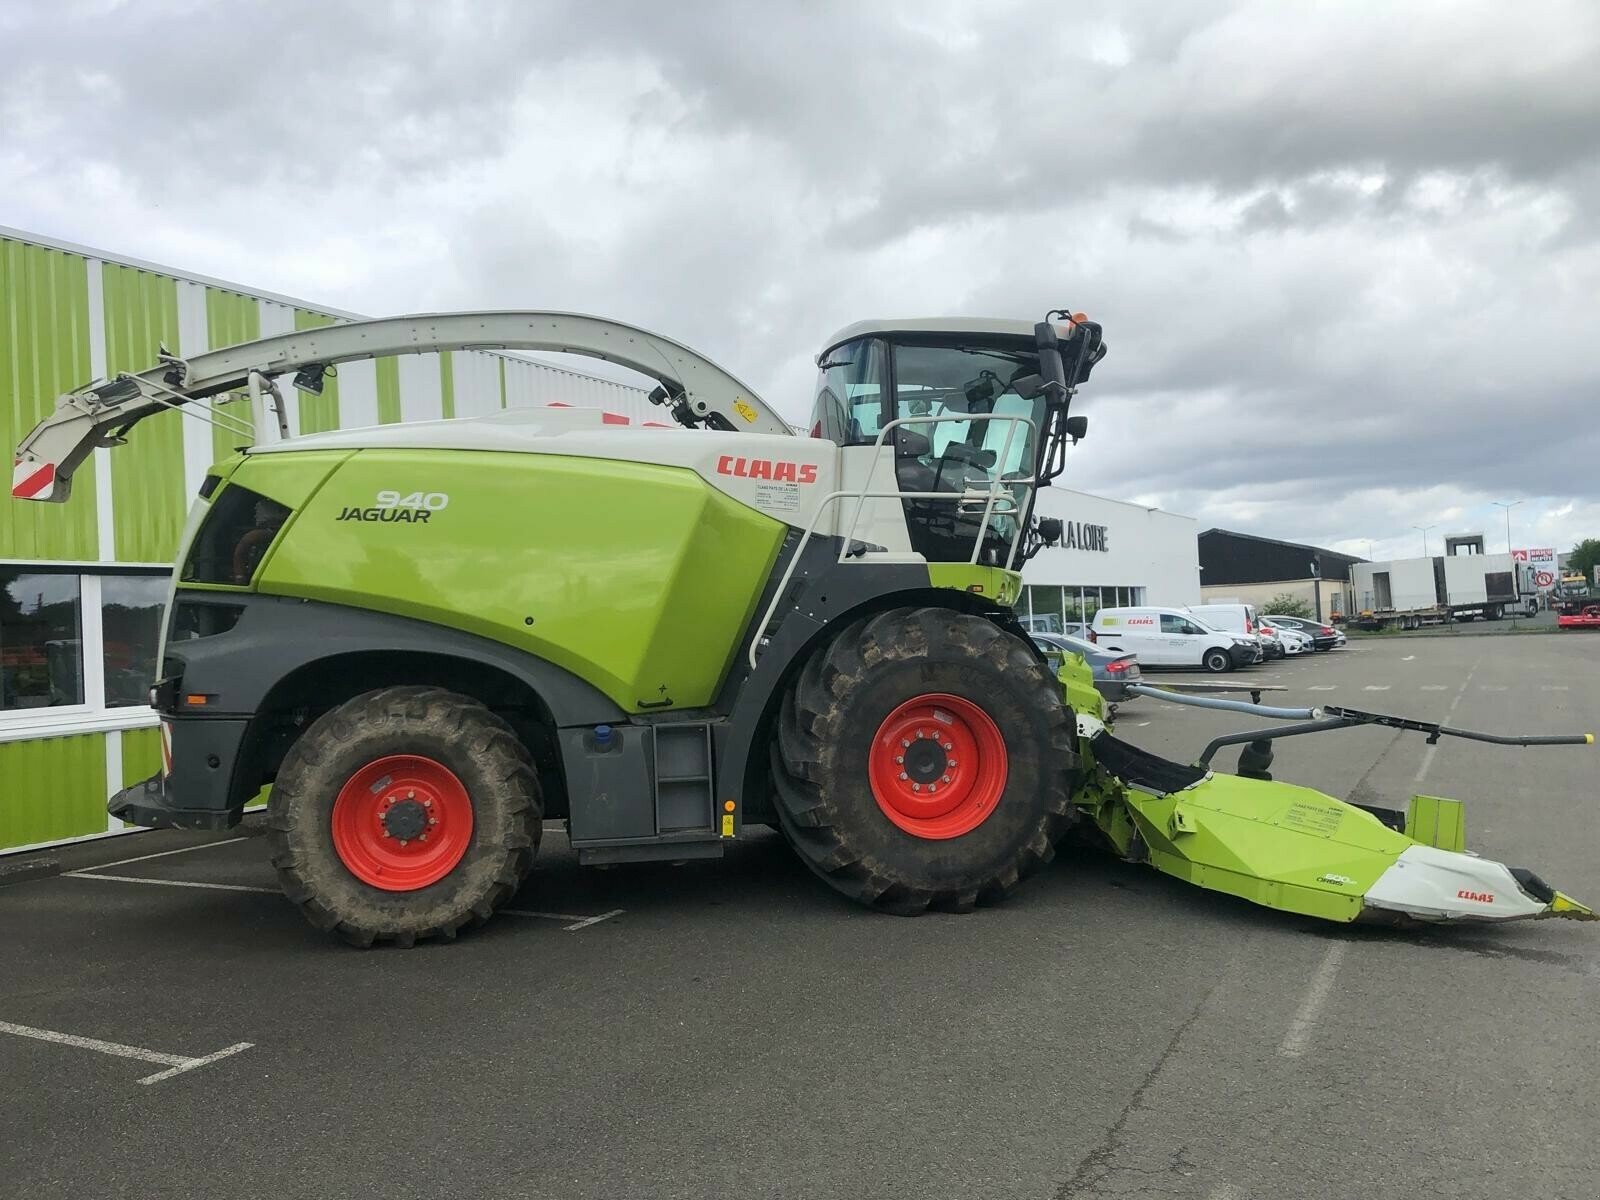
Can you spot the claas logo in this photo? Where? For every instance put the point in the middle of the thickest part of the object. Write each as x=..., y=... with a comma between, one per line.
x=766, y=468
x=1479, y=897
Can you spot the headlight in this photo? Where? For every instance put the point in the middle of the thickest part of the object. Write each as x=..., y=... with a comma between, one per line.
x=1243, y=641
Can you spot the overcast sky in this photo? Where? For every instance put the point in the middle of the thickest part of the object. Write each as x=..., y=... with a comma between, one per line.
x=1347, y=255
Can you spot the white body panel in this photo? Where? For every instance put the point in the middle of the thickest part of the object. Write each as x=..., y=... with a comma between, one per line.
x=1411, y=585
x=1430, y=884
x=1235, y=618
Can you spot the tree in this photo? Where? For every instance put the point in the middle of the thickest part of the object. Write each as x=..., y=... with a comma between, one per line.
x=1286, y=605
x=1584, y=557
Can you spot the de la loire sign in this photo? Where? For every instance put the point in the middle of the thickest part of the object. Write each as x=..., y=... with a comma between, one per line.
x=1075, y=535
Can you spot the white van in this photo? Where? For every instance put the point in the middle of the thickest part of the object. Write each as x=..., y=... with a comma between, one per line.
x=1171, y=637
x=1235, y=618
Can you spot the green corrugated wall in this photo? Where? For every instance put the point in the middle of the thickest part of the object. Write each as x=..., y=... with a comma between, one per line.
x=147, y=483
x=447, y=385
x=44, y=351
x=231, y=319
x=388, y=391
x=74, y=771
x=141, y=755
x=318, y=414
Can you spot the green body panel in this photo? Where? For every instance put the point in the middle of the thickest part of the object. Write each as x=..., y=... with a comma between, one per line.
x=141, y=755
x=1435, y=821
x=1277, y=844
x=147, y=480
x=44, y=351
x=639, y=579
x=993, y=583
x=318, y=414
x=52, y=788
x=230, y=319
x=388, y=370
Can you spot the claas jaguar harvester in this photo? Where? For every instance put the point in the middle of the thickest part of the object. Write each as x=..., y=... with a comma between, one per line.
x=428, y=638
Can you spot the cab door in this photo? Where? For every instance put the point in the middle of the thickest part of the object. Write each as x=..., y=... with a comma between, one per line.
x=1179, y=645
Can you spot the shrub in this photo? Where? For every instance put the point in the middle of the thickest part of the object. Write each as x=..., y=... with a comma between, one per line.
x=1285, y=605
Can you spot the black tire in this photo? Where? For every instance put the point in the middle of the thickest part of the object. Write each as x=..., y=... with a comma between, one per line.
x=455, y=731
x=830, y=721
x=1217, y=660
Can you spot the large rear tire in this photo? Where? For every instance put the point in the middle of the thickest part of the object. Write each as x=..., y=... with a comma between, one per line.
x=404, y=813
x=924, y=759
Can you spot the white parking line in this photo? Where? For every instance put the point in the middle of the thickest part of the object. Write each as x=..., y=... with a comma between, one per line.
x=1322, y=687
x=572, y=921
x=1491, y=687
x=1377, y=687
x=177, y=1064
x=1436, y=687
x=1554, y=687
x=122, y=862
x=1298, y=1039
x=577, y=922
x=183, y=883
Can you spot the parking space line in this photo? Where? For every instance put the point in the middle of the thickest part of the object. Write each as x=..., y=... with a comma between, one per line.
x=575, y=921
x=122, y=862
x=183, y=883
x=1298, y=1038
x=1377, y=687
x=1436, y=687
x=191, y=1064
x=1322, y=687
x=177, y=1064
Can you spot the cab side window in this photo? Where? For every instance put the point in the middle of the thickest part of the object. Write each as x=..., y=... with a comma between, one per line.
x=849, y=405
x=1173, y=624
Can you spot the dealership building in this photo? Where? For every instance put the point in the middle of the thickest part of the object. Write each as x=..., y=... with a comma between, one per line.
x=1111, y=554
x=82, y=584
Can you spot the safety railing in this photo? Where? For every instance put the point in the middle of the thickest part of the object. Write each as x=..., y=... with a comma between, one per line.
x=997, y=500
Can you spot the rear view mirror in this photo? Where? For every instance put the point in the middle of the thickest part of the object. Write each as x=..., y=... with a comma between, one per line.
x=1049, y=530
x=911, y=444
x=1077, y=428
x=1049, y=347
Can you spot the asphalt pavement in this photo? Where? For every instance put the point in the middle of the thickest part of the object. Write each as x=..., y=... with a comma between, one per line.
x=732, y=1028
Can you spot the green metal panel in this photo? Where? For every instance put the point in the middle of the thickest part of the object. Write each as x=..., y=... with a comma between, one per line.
x=147, y=479
x=318, y=414
x=1436, y=821
x=388, y=391
x=537, y=551
x=141, y=755
x=447, y=385
x=44, y=351
x=52, y=788
x=231, y=319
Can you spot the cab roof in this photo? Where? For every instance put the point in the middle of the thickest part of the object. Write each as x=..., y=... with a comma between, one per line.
x=987, y=326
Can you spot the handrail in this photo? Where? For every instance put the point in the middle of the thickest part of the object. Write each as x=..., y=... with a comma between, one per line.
x=999, y=489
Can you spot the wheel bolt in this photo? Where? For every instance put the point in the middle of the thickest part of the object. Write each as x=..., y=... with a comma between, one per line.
x=905, y=744
x=427, y=804
x=411, y=794
x=916, y=787
x=902, y=774
x=435, y=820
x=899, y=758
x=932, y=788
x=422, y=837
x=949, y=746
x=944, y=779
x=402, y=841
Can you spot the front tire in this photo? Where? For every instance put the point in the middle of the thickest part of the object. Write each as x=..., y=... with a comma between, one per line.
x=1217, y=661
x=924, y=759
x=404, y=813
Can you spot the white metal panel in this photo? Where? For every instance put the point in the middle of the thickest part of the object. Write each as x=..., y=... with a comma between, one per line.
x=106, y=532
x=275, y=319
x=421, y=393
x=1463, y=578
x=477, y=381
x=113, y=742
x=194, y=338
x=358, y=394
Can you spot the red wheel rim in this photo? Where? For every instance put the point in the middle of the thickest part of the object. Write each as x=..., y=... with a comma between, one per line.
x=402, y=822
x=937, y=766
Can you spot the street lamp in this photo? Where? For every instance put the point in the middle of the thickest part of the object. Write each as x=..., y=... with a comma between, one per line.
x=1508, y=506
x=1423, y=529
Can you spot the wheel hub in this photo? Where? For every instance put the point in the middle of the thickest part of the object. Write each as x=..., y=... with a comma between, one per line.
x=925, y=760
x=405, y=819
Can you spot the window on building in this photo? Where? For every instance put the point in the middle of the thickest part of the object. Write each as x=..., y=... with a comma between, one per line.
x=130, y=618
x=41, y=639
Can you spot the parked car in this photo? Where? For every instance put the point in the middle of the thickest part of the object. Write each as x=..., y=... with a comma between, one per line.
x=1051, y=623
x=1323, y=636
x=1171, y=637
x=1113, y=671
x=1292, y=641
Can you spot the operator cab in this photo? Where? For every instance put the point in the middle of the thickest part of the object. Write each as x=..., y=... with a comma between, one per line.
x=926, y=376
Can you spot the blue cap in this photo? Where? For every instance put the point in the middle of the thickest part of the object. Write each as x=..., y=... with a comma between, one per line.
x=602, y=734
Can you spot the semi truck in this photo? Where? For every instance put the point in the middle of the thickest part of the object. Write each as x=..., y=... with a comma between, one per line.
x=1409, y=593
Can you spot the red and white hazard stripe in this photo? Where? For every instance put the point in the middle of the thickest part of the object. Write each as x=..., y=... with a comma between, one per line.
x=28, y=479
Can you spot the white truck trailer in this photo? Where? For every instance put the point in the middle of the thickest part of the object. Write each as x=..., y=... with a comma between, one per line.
x=1412, y=592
